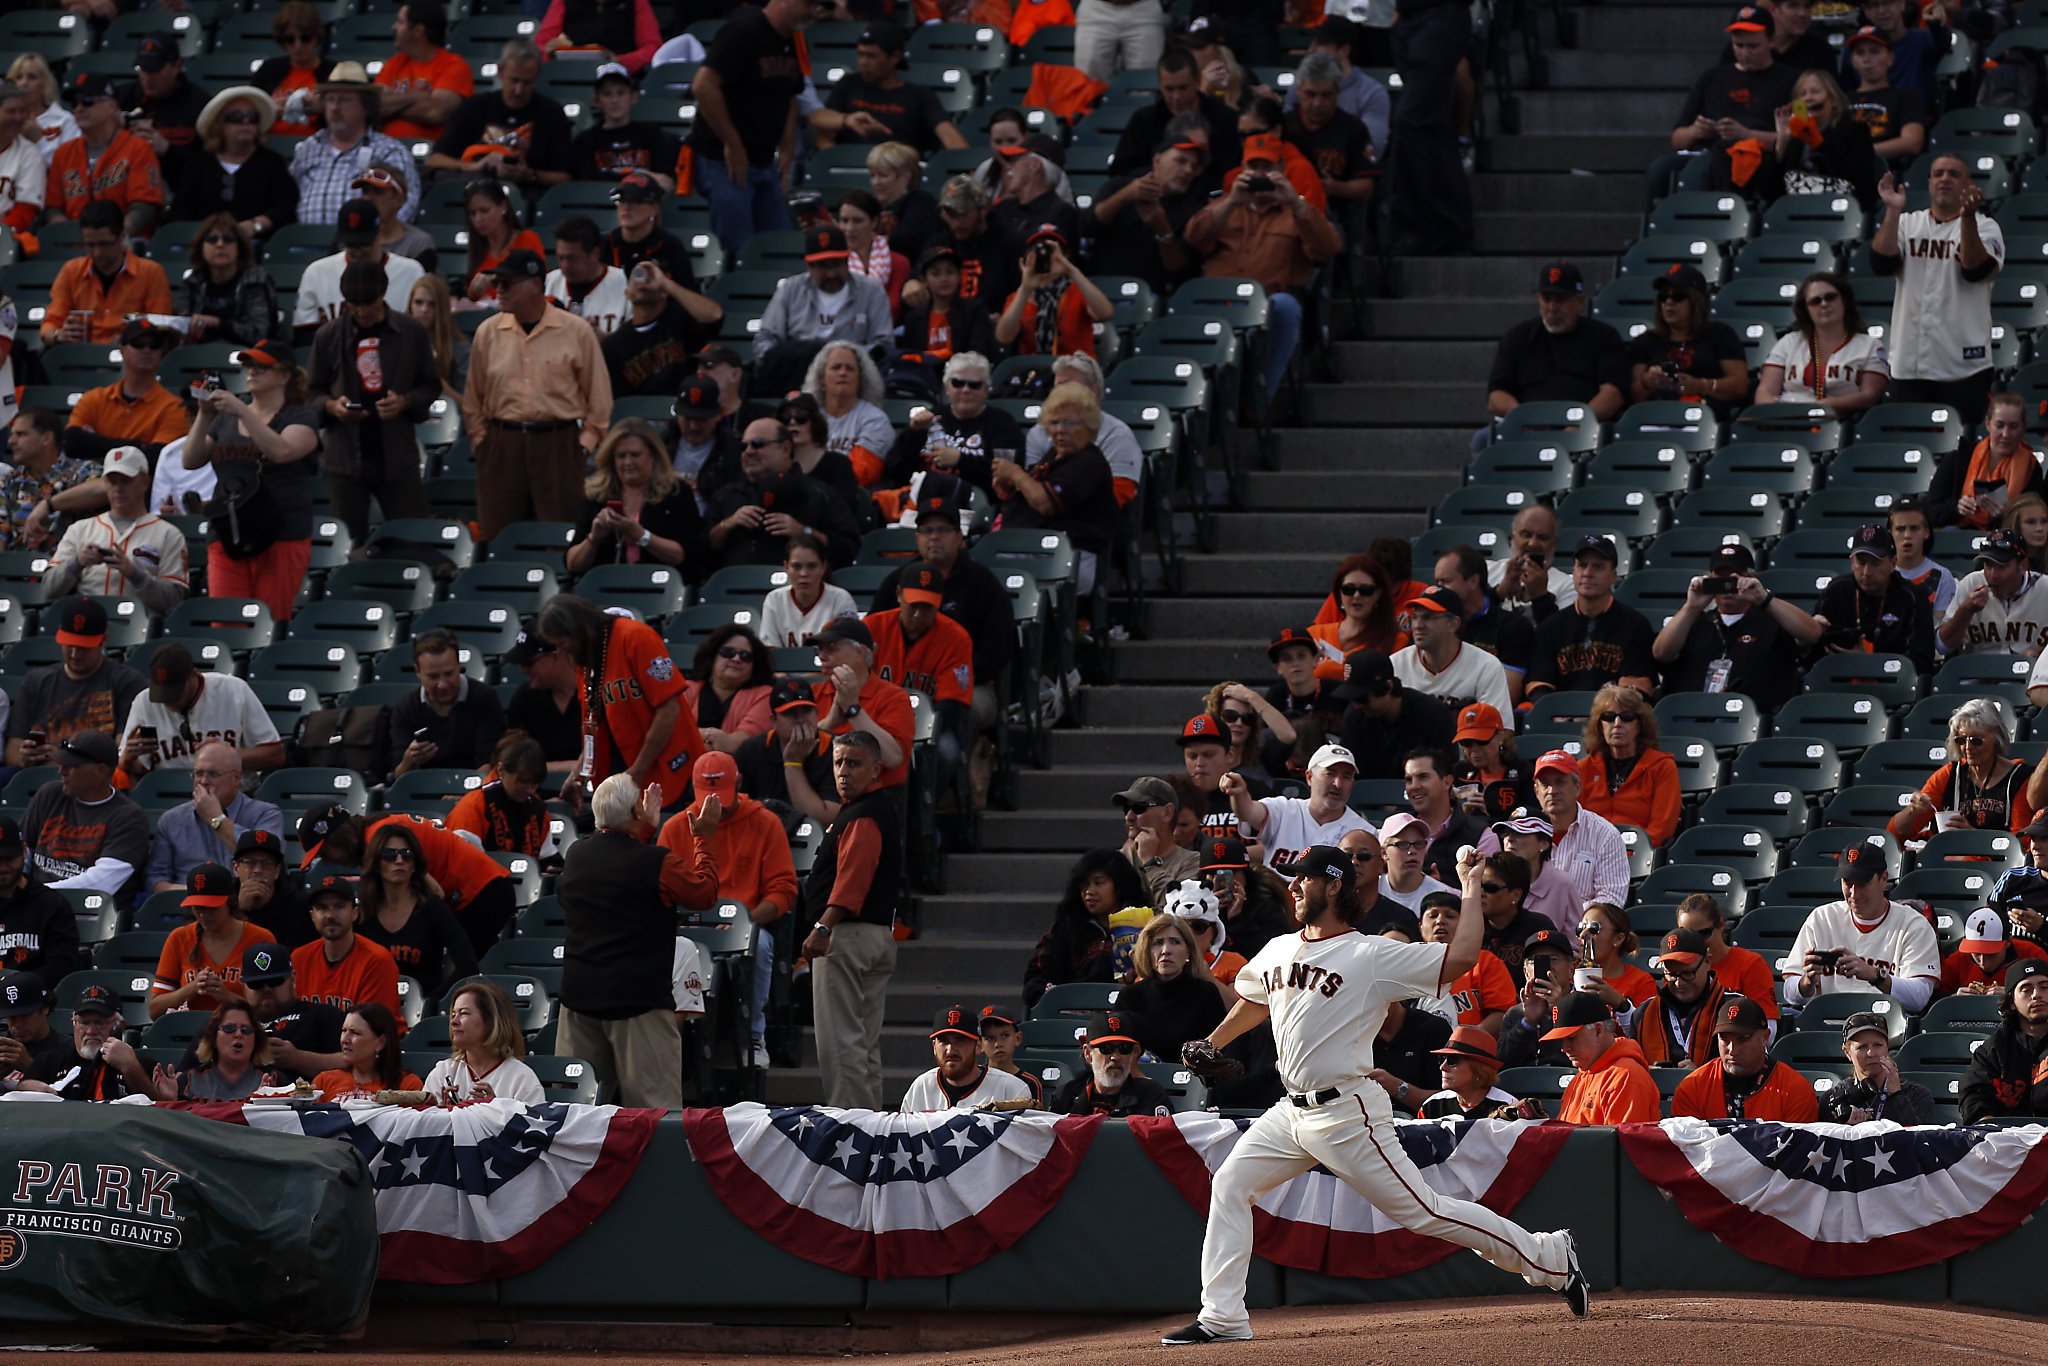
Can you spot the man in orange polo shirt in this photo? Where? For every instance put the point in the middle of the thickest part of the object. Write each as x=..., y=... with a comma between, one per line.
x=754, y=866
x=1744, y=1082
x=1612, y=1086
x=341, y=967
x=846, y=649
x=93, y=294
x=135, y=410
x=105, y=162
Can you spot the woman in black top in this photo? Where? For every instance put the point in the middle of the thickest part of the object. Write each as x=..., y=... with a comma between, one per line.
x=226, y=294
x=636, y=509
x=1072, y=490
x=910, y=215
x=1175, y=997
x=962, y=438
x=1076, y=948
x=397, y=908
x=1686, y=353
x=238, y=174
x=804, y=419
x=1824, y=151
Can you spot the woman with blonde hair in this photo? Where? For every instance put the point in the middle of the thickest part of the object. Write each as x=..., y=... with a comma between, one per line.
x=433, y=307
x=1822, y=149
x=636, y=508
x=1976, y=486
x=1173, y=997
x=2028, y=518
x=53, y=122
x=1071, y=490
x=486, y=1051
x=1246, y=718
x=1623, y=775
x=909, y=213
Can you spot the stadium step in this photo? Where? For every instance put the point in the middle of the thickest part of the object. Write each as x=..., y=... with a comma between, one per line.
x=1443, y=403
x=1695, y=29
x=1496, y=277
x=1137, y=704
x=1416, y=359
x=1673, y=68
x=1423, y=313
x=1060, y=835
x=1520, y=191
x=1142, y=748
x=1562, y=111
x=1252, y=531
x=1245, y=617
x=1017, y=876
x=1325, y=488
x=1384, y=449
x=1557, y=234
x=1265, y=576
x=1626, y=154
x=1015, y=913
x=1073, y=788
x=935, y=961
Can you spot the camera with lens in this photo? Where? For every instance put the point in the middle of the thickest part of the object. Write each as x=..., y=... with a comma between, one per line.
x=1257, y=184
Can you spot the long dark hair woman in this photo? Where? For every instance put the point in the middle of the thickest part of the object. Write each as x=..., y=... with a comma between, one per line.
x=370, y=1058
x=1077, y=946
x=1827, y=358
x=1685, y=353
x=397, y=907
x=494, y=234
x=1366, y=620
x=730, y=680
x=225, y=293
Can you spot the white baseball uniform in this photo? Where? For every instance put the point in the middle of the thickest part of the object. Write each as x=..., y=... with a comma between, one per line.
x=1328, y=999
x=1903, y=942
x=1289, y=828
x=319, y=297
x=2015, y=625
x=927, y=1093
x=604, y=307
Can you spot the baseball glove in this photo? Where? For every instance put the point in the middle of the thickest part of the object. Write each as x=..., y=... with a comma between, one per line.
x=1207, y=1061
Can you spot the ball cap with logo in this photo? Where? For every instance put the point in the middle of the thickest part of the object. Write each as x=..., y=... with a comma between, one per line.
x=522, y=265
x=88, y=747
x=1573, y=1013
x=170, y=671
x=1290, y=636
x=957, y=1019
x=1118, y=1028
x=1548, y=940
x=81, y=622
x=1479, y=723
x=1680, y=279
x=126, y=460
x=356, y=224
x=142, y=330
x=208, y=885
x=316, y=823
x=716, y=775
x=1556, y=761
x=2001, y=547
x=1862, y=862
x=1440, y=602
x=938, y=497
x=823, y=244
x=331, y=887
x=699, y=399
x=1330, y=755
x=790, y=694
x=1863, y=1022
x=637, y=187
x=2022, y=970
x=1682, y=948
x=1560, y=277
x=841, y=629
x=1599, y=546
x=995, y=1016
x=1146, y=792
x=1367, y=673
x=1753, y=19
x=259, y=842
x=1983, y=932
x=265, y=965
x=1202, y=730
x=1738, y=1015
x=1873, y=543
x=95, y=1000
x=1225, y=851
x=1320, y=860
x=21, y=993
x=1731, y=559
x=922, y=582
x=1867, y=34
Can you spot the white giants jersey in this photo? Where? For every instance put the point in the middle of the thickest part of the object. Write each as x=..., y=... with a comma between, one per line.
x=604, y=307
x=1289, y=828
x=1903, y=942
x=1941, y=323
x=927, y=1093
x=1329, y=997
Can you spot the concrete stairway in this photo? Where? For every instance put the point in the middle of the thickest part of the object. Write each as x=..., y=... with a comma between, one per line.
x=1380, y=442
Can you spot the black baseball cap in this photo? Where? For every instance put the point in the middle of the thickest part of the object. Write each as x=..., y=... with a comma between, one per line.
x=699, y=399
x=81, y=621
x=1547, y=941
x=1875, y=542
x=21, y=993
x=156, y=51
x=1288, y=636
x=1440, y=601
x=356, y=223
x=1226, y=851
x=2002, y=547
x=521, y=265
x=11, y=841
x=637, y=187
x=1367, y=673
x=88, y=747
x=331, y=885
x=957, y=1019
x=259, y=842
x=790, y=693
x=86, y=86
x=316, y=823
x=1731, y=559
x=209, y=884
x=845, y=628
x=1561, y=277
x=527, y=648
x=264, y=964
x=1320, y=860
x=1573, y=1013
x=95, y=1000
x=938, y=497
x=2022, y=970
x=826, y=243
x=996, y=1015
x=715, y=354
x=1738, y=1015
x=1684, y=947
x=884, y=35
x=1597, y=545
x=170, y=669
x=935, y=253
x=1753, y=19
x=1861, y=862
x=1679, y=279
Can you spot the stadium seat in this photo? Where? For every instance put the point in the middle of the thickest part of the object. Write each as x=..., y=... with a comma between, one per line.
x=1729, y=719
x=1970, y=1015
x=1746, y=848
x=1996, y=850
x=540, y=959
x=1867, y=805
x=329, y=667
x=1825, y=1013
x=1807, y=763
x=1500, y=503
x=536, y=1008
x=1817, y=430
x=1545, y=1084
x=1662, y=467
x=520, y=585
x=544, y=542
x=1823, y=848
x=565, y=1080
x=130, y=988
x=1936, y=426
x=1629, y=510
x=1900, y=466
x=1891, y=679
x=1690, y=547
x=97, y=914
x=1851, y=722
x=442, y=543
x=1928, y=719
x=1959, y=887
x=1776, y=468
x=404, y=586
x=1676, y=881
x=1571, y=426
x=653, y=592
x=1758, y=513
x=245, y=623
x=302, y=786
x=491, y=628
x=1779, y=809
x=1802, y=1048
x=367, y=627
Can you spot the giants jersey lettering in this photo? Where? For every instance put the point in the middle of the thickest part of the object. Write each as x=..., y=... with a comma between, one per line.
x=2018, y=625
x=1941, y=322
x=603, y=305
x=1289, y=828
x=1328, y=999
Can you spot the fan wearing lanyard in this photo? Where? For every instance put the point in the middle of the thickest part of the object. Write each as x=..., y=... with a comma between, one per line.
x=632, y=696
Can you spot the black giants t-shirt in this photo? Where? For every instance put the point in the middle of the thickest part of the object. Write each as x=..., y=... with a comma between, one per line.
x=1537, y=366
x=1578, y=653
x=760, y=78
x=911, y=113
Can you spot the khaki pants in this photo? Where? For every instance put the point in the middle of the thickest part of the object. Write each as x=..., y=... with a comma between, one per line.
x=641, y=1056
x=848, y=986
x=526, y=477
x=1110, y=38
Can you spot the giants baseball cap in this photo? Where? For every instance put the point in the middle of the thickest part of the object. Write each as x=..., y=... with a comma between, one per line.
x=1560, y=277
x=1319, y=860
x=791, y=693
x=992, y=1016
x=356, y=224
x=1867, y=34
x=2001, y=547
x=1862, y=862
x=1224, y=851
x=265, y=964
x=97, y=1000
x=612, y=71
x=699, y=399
x=637, y=187
x=1556, y=761
x=956, y=1020
x=21, y=993
x=1478, y=722
x=1680, y=279
x=919, y=581
x=1264, y=147
x=1574, y=1013
x=716, y=775
x=259, y=842
x=139, y=330
x=128, y=461
x=331, y=887
x=825, y=243
x=1738, y=1015
x=170, y=669
x=1441, y=602
x=156, y=51
x=208, y=885
x=1547, y=940
x=1288, y=637
x=1983, y=932
x=1731, y=559
x=1367, y=673
x=1682, y=947
x=845, y=629
x=81, y=622
x=1753, y=19
x=1875, y=542
x=266, y=352
x=1203, y=730
x=86, y=86
x=1116, y=1028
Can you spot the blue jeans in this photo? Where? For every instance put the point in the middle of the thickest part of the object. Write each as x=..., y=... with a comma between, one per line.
x=764, y=980
x=740, y=211
x=1283, y=334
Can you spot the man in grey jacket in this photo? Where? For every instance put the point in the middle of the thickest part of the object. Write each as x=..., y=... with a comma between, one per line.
x=828, y=302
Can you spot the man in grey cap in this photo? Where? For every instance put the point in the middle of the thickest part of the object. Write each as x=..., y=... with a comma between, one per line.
x=368, y=415
x=1150, y=812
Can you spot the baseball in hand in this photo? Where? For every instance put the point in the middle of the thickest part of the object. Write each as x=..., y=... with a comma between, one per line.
x=1467, y=856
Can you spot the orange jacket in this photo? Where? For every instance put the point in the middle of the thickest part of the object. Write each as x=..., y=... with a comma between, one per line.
x=1649, y=798
x=1785, y=1096
x=1065, y=90
x=1745, y=971
x=751, y=851
x=1616, y=1090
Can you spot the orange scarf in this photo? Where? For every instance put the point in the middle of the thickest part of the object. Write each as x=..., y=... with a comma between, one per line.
x=2018, y=472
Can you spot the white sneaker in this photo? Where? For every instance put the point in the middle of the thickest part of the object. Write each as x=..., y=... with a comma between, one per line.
x=760, y=1055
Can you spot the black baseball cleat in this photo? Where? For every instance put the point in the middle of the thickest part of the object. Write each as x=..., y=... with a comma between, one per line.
x=1576, y=1292
x=1195, y=1333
